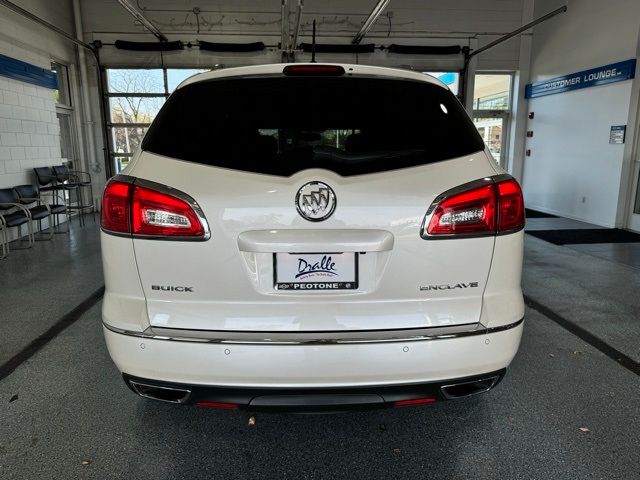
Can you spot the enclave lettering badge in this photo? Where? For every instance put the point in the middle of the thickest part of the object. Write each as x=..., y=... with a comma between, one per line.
x=449, y=286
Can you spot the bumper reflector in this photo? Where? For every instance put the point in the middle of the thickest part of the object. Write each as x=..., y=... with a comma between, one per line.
x=414, y=401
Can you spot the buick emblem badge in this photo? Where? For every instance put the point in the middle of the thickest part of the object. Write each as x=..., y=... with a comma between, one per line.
x=315, y=201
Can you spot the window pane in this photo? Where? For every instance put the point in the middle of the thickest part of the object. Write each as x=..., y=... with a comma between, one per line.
x=127, y=139
x=260, y=125
x=450, y=79
x=135, y=109
x=490, y=129
x=62, y=95
x=177, y=75
x=121, y=163
x=492, y=92
x=135, y=81
x=66, y=145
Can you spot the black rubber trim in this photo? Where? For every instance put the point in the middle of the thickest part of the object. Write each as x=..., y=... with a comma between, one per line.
x=66, y=320
x=148, y=46
x=425, y=50
x=230, y=47
x=315, y=399
x=338, y=48
x=611, y=352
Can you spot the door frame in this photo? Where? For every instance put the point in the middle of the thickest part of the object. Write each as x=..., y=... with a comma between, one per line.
x=632, y=220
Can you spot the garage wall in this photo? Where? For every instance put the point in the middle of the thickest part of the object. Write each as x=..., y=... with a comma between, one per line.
x=29, y=131
x=573, y=171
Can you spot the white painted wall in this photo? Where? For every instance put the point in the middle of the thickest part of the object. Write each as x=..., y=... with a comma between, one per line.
x=24, y=40
x=573, y=171
x=29, y=128
x=29, y=131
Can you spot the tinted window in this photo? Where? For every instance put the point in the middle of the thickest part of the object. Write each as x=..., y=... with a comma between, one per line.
x=281, y=125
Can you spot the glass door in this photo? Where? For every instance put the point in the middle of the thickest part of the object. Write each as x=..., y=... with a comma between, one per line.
x=492, y=127
x=491, y=110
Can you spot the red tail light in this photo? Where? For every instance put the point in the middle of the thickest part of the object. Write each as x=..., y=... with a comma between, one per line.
x=510, y=206
x=116, y=206
x=157, y=213
x=129, y=208
x=495, y=207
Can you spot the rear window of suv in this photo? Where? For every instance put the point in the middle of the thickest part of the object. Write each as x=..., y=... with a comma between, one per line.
x=281, y=125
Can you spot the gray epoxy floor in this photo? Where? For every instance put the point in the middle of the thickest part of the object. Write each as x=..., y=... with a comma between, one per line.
x=40, y=284
x=557, y=223
x=67, y=404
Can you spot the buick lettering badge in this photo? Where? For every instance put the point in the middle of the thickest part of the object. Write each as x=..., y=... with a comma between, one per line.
x=315, y=201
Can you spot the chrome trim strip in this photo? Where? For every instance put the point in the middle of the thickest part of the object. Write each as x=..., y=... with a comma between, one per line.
x=314, y=338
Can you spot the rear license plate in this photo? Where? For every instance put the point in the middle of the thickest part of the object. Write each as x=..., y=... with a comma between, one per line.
x=315, y=271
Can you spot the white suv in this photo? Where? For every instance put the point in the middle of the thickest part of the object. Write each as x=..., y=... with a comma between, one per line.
x=312, y=237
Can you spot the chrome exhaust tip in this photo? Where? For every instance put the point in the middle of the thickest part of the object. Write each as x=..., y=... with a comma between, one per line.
x=470, y=388
x=164, y=394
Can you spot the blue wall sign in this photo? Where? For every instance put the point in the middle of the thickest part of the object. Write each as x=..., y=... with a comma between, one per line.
x=615, y=72
x=25, y=72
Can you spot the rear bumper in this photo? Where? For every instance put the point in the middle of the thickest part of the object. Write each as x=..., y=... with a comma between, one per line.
x=315, y=366
x=314, y=399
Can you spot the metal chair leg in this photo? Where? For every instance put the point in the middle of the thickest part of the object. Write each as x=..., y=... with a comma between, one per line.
x=31, y=236
x=50, y=232
x=92, y=203
x=20, y=241
x=3, y=243
x=57, y=229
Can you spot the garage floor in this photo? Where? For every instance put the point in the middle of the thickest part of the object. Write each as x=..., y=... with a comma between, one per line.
x=565, y=410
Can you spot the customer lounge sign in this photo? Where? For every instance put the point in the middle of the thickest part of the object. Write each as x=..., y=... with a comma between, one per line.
x=615, y=72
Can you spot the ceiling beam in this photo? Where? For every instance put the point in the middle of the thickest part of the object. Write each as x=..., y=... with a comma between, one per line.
x=139, y=16
x=370, y=21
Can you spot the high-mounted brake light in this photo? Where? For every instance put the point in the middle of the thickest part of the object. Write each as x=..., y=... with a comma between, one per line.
x=313, y=70
x=495, y=207
x=129, y=208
